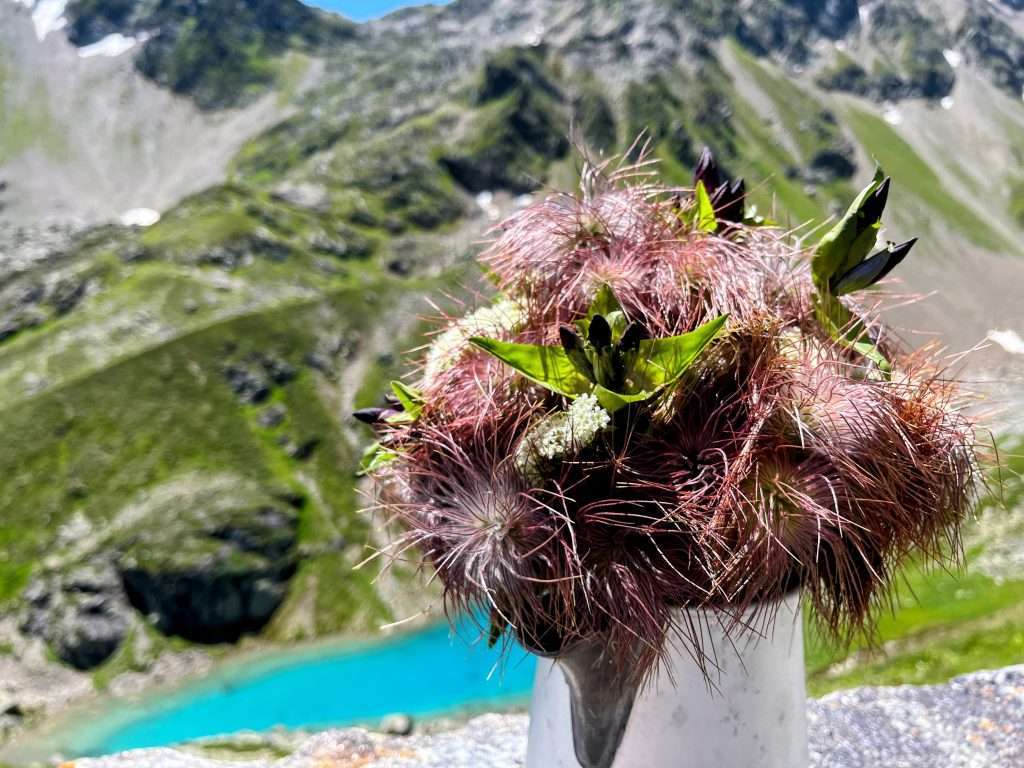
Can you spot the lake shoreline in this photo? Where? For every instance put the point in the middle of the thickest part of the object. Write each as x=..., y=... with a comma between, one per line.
x=974, y=719
x=48, y=708
x=101, y=723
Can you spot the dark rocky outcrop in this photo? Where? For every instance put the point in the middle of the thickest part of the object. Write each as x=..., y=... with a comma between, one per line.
x=992, y=45
x=300, y=449
x=29, y=301
x=519, y=125
x=243, y=250
x=831, y=164
x=272, y=416
x=81, y=613
x=214, y=573
x=66, y=294
x=905, y=61
x=788, y=27
x=204, y=558
x=192, y=50
x=253, y=379
x=250, y=385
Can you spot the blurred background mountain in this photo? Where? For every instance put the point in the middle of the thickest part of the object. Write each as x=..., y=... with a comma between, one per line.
x=221, y=220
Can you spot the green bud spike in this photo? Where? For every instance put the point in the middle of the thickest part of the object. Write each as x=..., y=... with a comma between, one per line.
x=848, y=243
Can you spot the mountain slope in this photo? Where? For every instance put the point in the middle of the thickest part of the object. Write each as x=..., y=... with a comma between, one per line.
x=192, y=49
x=196, y=375
x=88, y=133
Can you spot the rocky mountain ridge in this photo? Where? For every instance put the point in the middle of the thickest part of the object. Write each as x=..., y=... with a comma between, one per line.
x=189, y=48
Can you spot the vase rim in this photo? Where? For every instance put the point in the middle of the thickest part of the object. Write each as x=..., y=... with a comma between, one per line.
x=792, y=594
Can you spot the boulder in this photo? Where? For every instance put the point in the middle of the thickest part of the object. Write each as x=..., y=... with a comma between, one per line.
x=307, y=195
x=272, y=416
x=832, y=163
x=80, y=612
x=397, y=725
x=250, y=385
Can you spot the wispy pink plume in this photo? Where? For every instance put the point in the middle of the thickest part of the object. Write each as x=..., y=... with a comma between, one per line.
x=781, y=460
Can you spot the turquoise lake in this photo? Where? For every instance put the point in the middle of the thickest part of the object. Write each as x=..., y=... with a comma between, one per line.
x=423, y=673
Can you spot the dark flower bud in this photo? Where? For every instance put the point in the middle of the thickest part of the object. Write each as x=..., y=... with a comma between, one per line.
x=600, y=332
x=897, y=253
x=371, y=415
x=632, y=337
x=872, y=269
x=731, y=206
x=875, y=204
x=569, y=338
x=707, y=171
x=573, y=346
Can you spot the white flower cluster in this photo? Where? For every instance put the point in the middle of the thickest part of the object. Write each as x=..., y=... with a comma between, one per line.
x=445, y=350
x=562, y=433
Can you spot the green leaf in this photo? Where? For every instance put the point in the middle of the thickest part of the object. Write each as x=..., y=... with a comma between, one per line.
x=618, y=322
x=834, y=316
x=498, y=625
x=754, y=219
x=616, y=401
x=606, y=304
x=411, y=400
x=849, y=240
x=548, y=366
x=871, y=352
x=705, y=216
x=661, y=362
x=375, y=457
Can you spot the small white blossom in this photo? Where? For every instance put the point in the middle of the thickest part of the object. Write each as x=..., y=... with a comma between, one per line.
x=562, y=433
x=446, y=348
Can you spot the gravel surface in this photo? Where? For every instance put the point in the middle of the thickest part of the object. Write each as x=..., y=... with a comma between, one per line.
x=975, y=720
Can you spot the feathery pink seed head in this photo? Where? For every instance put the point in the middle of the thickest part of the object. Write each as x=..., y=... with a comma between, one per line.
x=778, y=461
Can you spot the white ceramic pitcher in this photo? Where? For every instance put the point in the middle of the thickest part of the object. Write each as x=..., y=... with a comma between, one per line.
x=752, y=716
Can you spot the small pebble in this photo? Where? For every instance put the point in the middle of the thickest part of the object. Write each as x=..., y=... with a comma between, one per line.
x=396, y=725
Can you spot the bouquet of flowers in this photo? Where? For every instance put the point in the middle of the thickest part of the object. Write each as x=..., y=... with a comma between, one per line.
x=668, y=404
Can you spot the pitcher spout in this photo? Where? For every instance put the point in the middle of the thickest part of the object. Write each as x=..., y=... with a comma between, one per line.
x=601, y=700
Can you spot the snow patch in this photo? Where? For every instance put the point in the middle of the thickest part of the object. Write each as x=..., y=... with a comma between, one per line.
x=864, y=13
x=140, y=217
x=486, y=202
x=48, y=16
x=892, y=116
x=953, y=58
x=946, y=102
x=1008, y=340
x=111, y=45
